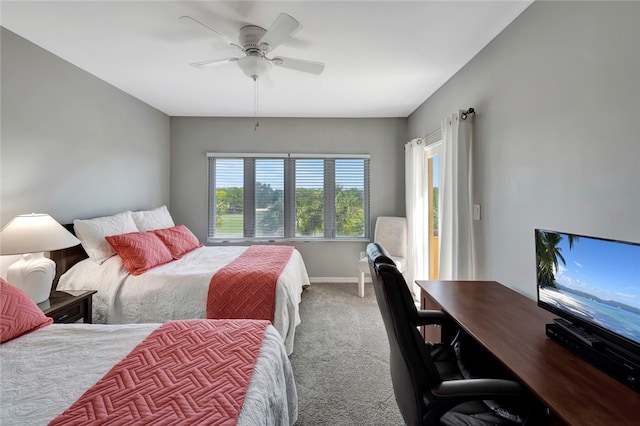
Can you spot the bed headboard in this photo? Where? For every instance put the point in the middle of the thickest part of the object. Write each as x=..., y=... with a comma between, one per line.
x=66, y=258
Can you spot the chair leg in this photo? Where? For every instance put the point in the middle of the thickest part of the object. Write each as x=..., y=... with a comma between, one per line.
x=361, y=284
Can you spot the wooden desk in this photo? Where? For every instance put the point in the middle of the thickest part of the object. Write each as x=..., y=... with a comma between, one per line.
x=512, y=327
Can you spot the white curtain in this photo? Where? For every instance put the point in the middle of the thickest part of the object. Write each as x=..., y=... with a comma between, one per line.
x=417, y=210
x=456, y=221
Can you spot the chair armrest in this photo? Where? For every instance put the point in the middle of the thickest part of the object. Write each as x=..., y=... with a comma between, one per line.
x=449, y=331
x=451, y=393
x=473, y=389
x=428, y=317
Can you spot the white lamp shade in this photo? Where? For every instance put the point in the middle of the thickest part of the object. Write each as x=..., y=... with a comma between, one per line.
x=33, y=233
x=254, y=66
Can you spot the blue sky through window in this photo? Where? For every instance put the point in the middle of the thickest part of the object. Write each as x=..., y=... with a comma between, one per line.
x=309, y=173
x=229, y=172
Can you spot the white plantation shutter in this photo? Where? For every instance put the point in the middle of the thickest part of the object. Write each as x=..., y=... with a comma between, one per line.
x=226, y=175
x=288, y=196
x=351, y=183
x=269, y=198
x=309, y=197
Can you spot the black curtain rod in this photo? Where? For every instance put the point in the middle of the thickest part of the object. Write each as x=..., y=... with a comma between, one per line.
x=467, y=112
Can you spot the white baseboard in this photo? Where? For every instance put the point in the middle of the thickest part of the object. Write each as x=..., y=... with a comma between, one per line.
x=367, y=279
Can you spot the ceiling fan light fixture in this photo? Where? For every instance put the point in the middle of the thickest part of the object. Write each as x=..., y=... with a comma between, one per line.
x=256, y=42
x=254, y=66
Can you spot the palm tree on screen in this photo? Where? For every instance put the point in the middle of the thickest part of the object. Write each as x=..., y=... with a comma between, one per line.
x=548, y=254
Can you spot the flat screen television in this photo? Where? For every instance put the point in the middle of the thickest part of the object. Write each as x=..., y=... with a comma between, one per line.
x=593, y=283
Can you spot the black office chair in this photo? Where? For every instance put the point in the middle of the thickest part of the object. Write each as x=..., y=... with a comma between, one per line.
x=428, y=384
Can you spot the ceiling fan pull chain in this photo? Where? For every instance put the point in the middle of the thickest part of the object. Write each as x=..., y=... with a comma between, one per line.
x=255, y=93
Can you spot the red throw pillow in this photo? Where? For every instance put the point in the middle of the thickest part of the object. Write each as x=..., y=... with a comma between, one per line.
x=178, y=239
x=18, y=313
x=140, y=251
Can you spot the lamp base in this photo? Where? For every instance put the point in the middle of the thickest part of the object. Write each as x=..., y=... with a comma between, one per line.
x=33, y=274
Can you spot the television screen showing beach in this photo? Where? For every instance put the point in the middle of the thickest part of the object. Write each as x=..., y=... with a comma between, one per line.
x=594, y=279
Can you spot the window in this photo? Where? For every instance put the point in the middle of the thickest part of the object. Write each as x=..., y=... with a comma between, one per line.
x=288, y=196
x=432, y=153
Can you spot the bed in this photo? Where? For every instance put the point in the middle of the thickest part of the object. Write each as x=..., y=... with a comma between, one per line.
x=50, y=370
x=174, y=290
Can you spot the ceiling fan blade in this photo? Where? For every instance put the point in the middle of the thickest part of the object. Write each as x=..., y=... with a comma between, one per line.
x=299, y=65
x=282, y=27
x=203, y=64
x=223, y=37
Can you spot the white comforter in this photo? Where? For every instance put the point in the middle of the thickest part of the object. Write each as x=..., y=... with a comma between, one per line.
x=47, y=370
x=177, y=290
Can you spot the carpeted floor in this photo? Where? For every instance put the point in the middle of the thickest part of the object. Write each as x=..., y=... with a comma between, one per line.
x=341, y=359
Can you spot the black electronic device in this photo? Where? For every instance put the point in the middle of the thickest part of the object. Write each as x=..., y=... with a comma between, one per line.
x=606, y=358
x=593, y=285
x=579, y=333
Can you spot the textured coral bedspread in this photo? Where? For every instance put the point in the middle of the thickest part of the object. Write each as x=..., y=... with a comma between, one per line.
x=45, y=371
x=190, y=372
x=246, y=287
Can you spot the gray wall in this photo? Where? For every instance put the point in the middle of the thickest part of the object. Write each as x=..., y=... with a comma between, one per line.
x=557, y=131
x=72, y=145
x=193, y=137
x=556, y=141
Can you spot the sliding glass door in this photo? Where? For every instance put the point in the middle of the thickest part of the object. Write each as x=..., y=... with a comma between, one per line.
x=432, y=153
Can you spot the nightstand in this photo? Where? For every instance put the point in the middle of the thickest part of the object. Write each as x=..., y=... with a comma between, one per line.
x=69, y=306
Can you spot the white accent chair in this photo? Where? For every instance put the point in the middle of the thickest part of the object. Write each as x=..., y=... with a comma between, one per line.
x=390, y=233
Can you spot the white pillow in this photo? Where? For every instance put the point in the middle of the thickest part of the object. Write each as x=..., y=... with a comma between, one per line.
x=91, y=233
x=149, y=220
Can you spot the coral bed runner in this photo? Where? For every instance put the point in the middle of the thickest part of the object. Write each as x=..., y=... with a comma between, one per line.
x=246, y=287
x=191, y=372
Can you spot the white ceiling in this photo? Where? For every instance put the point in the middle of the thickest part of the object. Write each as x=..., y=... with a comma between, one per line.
x=383, y=58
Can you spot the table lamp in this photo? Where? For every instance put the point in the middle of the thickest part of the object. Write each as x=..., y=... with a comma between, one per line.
x=31, y=235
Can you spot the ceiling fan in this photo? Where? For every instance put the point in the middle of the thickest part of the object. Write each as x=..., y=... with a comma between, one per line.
x=256, y=43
